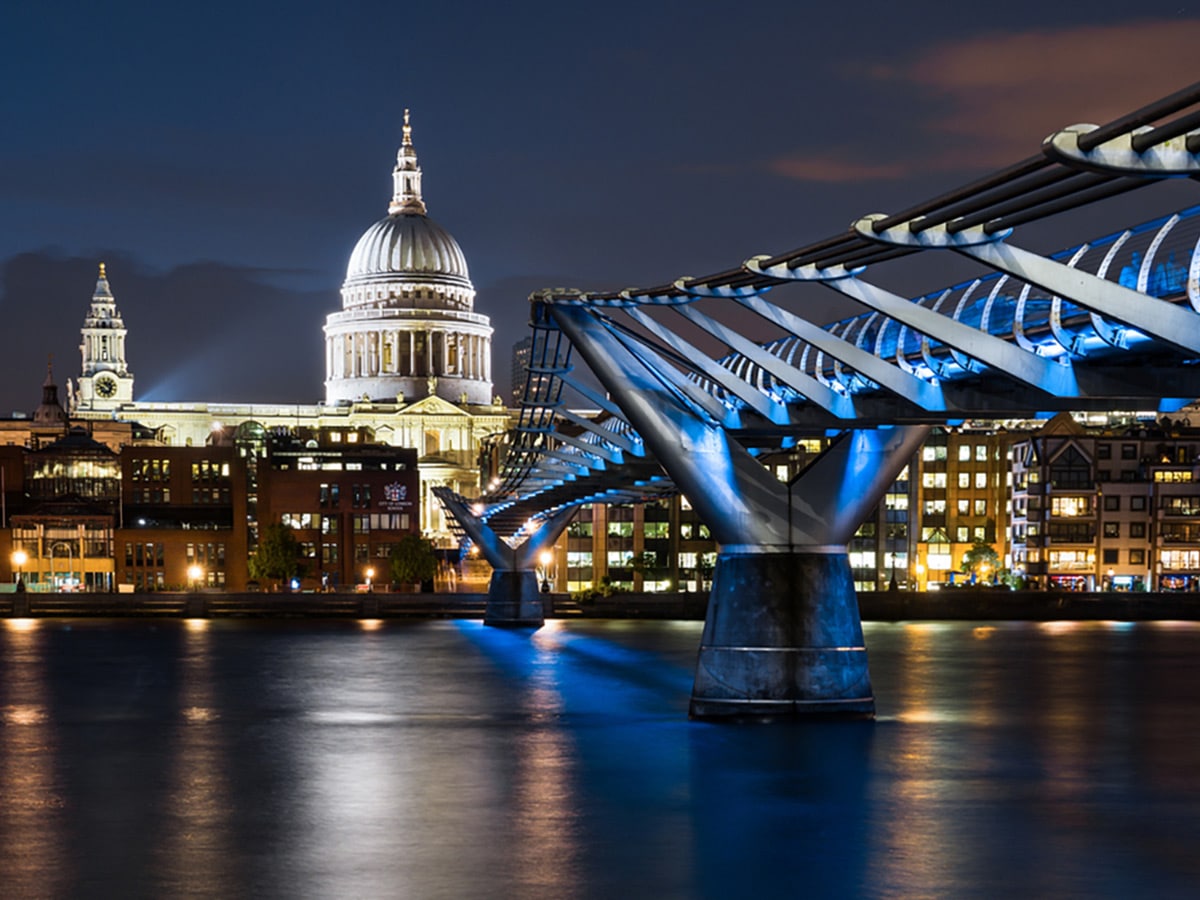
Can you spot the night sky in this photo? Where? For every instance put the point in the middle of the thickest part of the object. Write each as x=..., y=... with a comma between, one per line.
x=224, y=158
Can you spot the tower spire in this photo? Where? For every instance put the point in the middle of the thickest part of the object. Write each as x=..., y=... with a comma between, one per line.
x=406, y=178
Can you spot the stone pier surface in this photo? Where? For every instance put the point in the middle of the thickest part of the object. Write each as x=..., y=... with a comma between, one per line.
x=782, y=638
x=514, y=600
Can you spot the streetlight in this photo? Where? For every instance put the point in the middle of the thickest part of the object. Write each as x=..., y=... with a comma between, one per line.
x=19, y=558
x=195, y=573
x=545, y=558
x=370, y=575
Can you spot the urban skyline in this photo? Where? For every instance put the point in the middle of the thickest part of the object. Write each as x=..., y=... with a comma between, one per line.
x=234, y=193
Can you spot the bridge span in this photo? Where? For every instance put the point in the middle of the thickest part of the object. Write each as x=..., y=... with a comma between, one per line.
x=699, y=377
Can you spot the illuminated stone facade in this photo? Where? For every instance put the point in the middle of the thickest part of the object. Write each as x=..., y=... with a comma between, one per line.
x=407, y=360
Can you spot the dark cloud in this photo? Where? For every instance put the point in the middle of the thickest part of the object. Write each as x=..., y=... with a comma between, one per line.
x=203, y=331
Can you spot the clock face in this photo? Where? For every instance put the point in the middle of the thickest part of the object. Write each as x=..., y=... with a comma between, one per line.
x=106, y=387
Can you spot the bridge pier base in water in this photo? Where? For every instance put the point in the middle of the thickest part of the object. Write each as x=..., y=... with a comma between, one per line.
x=514, y=600
x=782, y=639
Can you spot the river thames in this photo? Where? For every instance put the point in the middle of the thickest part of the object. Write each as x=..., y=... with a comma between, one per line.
x=234, y=758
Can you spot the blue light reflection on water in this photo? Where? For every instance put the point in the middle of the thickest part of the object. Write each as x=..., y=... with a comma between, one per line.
x=448, y=759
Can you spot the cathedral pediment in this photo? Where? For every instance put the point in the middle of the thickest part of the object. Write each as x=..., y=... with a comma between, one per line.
x=434, y=406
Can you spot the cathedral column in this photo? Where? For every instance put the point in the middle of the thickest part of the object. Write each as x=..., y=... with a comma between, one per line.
x=412, y=353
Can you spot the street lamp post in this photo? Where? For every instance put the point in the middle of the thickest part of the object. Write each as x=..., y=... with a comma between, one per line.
x=19, y=558
x=546, y=558
x=195, y=573
x=370, y=575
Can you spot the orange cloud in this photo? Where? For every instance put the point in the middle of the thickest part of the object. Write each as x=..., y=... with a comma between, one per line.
x=828, y=168
x=1002, y=94
x=999, y=95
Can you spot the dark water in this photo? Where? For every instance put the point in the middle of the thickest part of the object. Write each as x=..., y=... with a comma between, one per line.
x=443, y=759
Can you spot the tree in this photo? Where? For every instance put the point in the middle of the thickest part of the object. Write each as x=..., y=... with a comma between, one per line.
x=276, y=556
x=981, y=560
x=413, y=560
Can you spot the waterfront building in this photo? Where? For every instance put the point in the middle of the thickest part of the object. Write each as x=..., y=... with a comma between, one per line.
x=348, y=502
x=962, y=497
x=65, y=520
x=184, y=518
x=1098, y=509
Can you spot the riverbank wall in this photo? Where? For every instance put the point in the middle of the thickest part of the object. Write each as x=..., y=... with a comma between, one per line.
x=969, y=604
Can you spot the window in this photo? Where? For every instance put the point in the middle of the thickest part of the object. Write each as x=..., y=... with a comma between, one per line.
x=935, y=507
x=978, y=533
x=960, y=534
x=657, y=529
x=1112, y=503
x=1137, y=557
x=933, y=480
x=1181, y=506
x=1129, y=451
x=981, y=480
x=1112, y=529
x=964, y=507
x=1137, y=529
x=1109, y=557
x=981, y=507
x=964, y=452
x=964, y=479
x=1137, y=504
x=1104, y=451
x=1070, y=506
x=981, y=452
x=1181, y=559
x=1172, y=476
x=938, y=562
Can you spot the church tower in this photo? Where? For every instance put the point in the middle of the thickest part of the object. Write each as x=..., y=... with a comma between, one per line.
x=105, y=381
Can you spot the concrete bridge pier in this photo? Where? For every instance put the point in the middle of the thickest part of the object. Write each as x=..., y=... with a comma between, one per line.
x=514, y=600
x=783, y=638
x=514, y=597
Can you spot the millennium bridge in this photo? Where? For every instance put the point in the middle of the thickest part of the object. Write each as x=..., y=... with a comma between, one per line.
x=701, y=377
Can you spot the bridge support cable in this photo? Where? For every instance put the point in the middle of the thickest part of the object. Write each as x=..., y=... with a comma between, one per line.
x=514, y=594
x=1159, y=319
x=899, y=382
x=783, y=636
x=1005, y=357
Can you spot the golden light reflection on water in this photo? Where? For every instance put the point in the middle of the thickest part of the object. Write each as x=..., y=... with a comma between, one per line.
x=198, y=800
x=33, y=812
x=370, y=624
x=23, y=714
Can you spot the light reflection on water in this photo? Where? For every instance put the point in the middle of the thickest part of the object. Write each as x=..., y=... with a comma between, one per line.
x=446, y=759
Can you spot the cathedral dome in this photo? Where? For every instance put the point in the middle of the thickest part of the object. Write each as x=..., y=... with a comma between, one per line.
x=407, y=244
x=407, y=329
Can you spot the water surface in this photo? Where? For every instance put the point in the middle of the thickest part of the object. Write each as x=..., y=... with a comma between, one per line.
x=444, y=759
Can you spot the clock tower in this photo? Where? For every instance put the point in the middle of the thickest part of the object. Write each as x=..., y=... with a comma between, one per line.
x=105, y=381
